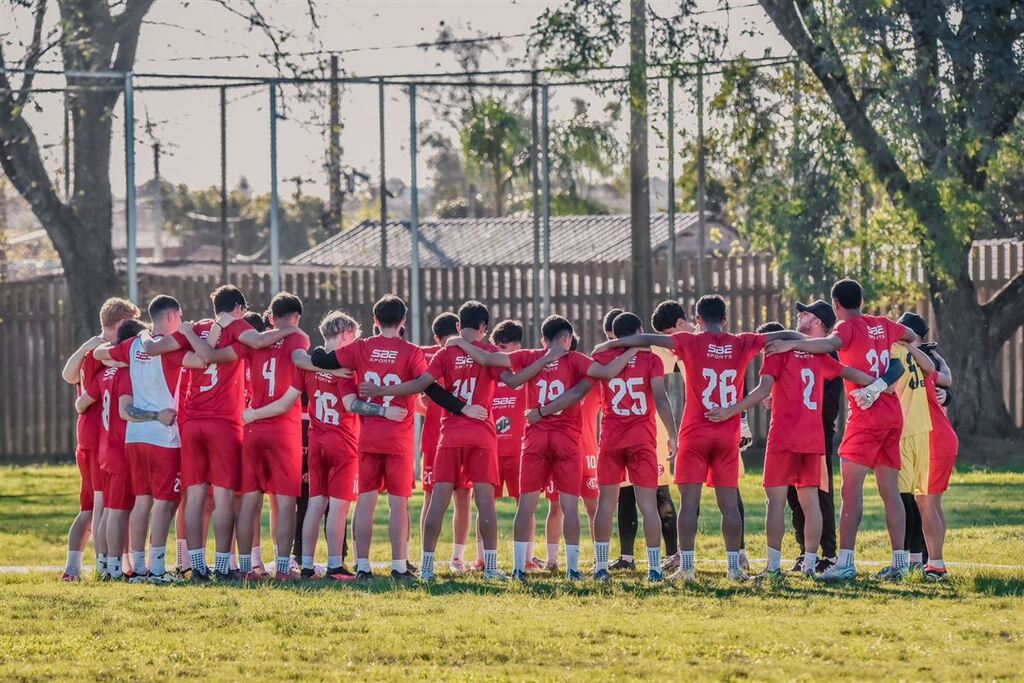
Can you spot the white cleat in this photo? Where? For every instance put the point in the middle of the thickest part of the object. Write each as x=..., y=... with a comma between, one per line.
x=683, y=575
x=165, y=579
x=737, y=575
x=495, y=575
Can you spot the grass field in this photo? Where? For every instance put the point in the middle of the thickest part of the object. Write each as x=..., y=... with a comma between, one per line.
x=466, y=629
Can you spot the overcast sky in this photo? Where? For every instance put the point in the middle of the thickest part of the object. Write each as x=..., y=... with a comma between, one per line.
x=181, y=37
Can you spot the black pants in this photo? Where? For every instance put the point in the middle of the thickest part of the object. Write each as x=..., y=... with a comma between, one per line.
x=628, y=520
x=913, y=540
x=827, y=503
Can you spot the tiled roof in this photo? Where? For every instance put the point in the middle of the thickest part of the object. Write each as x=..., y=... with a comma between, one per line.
x=506, y=241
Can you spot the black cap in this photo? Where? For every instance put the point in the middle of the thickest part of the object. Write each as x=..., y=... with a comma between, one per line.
x=914, y=322
x=820, y=309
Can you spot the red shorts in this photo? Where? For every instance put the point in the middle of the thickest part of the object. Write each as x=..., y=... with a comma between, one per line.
x=703, y=460
x=271, y=461
x=211, y=453
x=551, y=456
x=117, y=491
x=391, y=472
x=640, y=462
x=589, y=481
x=466, y=465
x=84, y=458
x=508, y=475
x=427, y=468
x=872, y=448
x=156, y=470
x=786, y=468
x=941, y=460
x=333, y=466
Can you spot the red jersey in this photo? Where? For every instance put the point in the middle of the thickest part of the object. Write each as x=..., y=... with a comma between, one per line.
x=866, y=342
x=108, y=388
x=715, y=364
x=174, y=373
x=431, y=412
x=89, y=426
x=472, y=383
x=943, y=436
x=509, y=413
x=272, y=372
x=219, y=390
x=590, y=406
x=628, y=407
x=797, y=397
x=385, y=361
x=327, y=413
x=550, y=383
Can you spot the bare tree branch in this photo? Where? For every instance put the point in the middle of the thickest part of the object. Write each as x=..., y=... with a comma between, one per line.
x=34, y=52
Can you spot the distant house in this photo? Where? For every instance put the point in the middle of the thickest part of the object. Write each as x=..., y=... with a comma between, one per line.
x=453, y=242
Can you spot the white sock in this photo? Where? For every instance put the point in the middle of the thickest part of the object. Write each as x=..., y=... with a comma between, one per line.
x=307, y=561
x=245, y=563
x=222, y=562
x=233, y=561
x=627, y=558
x=256, y=556
x=529, y=550
x=101, y=564
x=774, y=559
x=519, y=556
x=732, y=560
x=74, y=562
x=181, y=550
x=937, y=563
x=654, y=559
x=427, y=564
x=480, y=551
x=810, y=561
x=490, y=560
x=572, y=558
x=197, y=560
x=363, y=564
x=845, y=558
x=601, y=555
x=335, y=561
x=917, y=558
x=686, y=560
x=284, y=565
x=158, y=560
x=400, y=566
x=552, y=553
x=458, y=552
x=114, y=566
x=899, y=558
x=139, y=561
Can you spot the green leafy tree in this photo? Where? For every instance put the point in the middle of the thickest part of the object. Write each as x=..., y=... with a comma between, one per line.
x=495, y=145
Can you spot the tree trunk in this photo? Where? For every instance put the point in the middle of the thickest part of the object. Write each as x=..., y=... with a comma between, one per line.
x=973, y=358
x=639, y=191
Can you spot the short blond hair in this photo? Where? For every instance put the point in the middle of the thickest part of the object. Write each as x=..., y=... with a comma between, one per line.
x=338, y=322
x=115, y=309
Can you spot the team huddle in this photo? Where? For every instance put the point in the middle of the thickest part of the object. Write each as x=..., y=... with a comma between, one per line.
x=198, y=422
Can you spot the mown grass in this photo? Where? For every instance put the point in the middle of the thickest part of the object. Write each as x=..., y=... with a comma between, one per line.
x=972, y=628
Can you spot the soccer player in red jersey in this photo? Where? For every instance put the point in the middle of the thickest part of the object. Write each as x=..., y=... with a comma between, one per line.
x=112, y=390
x=445, y=325
x=632, y=387
x=944, y=446
x=468, y=448
x=211, y=435
x=80, y=370
x=795, y=382
x=715, y=363
x=153, y=443
x=872, y=439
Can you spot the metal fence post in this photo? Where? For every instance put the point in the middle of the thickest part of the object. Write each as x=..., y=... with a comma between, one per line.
x=129, y=196
x=275, y=228
x=414, y=223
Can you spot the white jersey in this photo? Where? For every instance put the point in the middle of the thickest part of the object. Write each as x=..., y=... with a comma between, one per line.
x=152, y=390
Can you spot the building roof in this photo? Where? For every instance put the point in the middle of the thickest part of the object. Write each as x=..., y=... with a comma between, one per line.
x=451, y=242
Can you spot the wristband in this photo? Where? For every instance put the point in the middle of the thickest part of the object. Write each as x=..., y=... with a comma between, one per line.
x=382, y=410
x=540, y=410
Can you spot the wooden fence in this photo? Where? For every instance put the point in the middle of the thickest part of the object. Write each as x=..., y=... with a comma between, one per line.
x=37, y=420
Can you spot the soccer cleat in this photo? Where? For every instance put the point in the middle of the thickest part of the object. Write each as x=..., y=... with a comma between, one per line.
x=288, y=577
x=573, y=575
x=341, y=573
x=427, y=577
x=737, y=575
x=165, y=579
x=139, y=578
x=916, y=567
x=602, y=575
x=307, y=573
x=891, y=573
x=798, y=566
x=69, y=578
x=623, y=565
x=809, y=574
x=478, y=566
x=683, y=575
x=837, y=573
x=744, y=563
x=936, y=574
x=534, y=565
x=670, y=564
x=655, y=576
x=402, y=577
x=363, y=577
x=457, y=566
x=772, y=576
x=495, y=575
x=254, y=577
x=411, y=567
x=227, y=577
x=824, y=564
x=199, y=577
x=519, y=575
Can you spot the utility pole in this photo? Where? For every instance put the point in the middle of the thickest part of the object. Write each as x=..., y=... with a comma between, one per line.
x=673, y=288
x=702, y=228
x=129, y=199
x=535, y=186
x=334, y=152
x=223, y=184
x=385, y=277
x=158, y=208
x=639, y=190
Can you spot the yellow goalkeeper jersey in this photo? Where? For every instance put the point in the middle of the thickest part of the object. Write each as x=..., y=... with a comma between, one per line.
x=912, y=393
